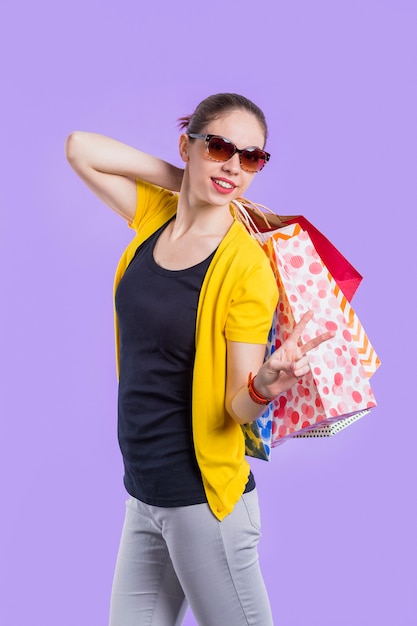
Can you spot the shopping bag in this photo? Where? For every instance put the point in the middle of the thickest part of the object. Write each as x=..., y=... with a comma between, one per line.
x=329, y=429
x=367, y=353
x=258, y=434
x=337, y=388
x=337, y=385
x=261, y=222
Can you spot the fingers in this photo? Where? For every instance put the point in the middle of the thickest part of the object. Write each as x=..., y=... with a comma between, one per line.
x=301, y=367
x=316, y=341
x=300, y=326
x=297, y=365
x=312, y=343
x=289, y=362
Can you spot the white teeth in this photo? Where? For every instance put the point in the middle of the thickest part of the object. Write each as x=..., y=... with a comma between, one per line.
x=223, y=184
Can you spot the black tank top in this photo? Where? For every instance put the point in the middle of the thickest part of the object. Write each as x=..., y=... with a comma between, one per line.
x=156, y=310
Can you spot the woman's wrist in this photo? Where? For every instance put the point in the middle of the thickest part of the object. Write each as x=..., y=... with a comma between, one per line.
x=256, y=393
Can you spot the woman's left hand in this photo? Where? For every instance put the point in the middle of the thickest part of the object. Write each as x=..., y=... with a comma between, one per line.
x=289, y=362
x=280, y=372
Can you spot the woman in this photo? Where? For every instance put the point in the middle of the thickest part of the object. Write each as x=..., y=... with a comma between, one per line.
x=194, y=297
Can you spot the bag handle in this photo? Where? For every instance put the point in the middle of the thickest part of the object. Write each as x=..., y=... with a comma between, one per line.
x=242, y=215
x=245, y=211
x=259, y=221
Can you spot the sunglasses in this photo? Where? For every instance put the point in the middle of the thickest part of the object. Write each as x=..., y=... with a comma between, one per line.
x=221, y=149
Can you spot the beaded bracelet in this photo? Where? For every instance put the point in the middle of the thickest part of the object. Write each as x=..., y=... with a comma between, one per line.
x=254, y=394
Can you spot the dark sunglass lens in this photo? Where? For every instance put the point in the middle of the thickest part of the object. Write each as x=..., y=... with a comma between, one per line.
x=220, y=149
x=253, y=160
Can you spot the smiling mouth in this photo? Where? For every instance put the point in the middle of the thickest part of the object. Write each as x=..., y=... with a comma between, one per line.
x=224, y=184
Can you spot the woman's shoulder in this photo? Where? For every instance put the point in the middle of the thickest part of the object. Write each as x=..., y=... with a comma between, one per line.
x=153, y=204
x=241, y=261
x=245, y=247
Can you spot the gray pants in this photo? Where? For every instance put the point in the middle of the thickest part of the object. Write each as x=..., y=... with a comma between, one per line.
x=171, y=557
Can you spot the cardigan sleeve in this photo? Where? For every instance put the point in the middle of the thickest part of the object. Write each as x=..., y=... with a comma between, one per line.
x=254, y=301
x=153, y=204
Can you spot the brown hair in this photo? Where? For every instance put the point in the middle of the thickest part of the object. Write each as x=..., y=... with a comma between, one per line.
x=214, y=106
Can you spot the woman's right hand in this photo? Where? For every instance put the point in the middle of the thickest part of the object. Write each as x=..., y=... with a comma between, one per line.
x=110, y=168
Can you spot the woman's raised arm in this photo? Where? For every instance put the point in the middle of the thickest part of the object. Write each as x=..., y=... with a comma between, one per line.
x=109, y=168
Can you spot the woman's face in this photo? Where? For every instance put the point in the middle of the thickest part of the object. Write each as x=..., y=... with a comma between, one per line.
x=219, y=182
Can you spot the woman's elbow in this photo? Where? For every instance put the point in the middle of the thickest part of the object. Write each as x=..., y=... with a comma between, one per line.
x=74, y=147
x=235, y=415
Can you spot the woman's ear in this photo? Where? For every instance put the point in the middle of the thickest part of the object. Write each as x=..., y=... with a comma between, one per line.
x=184, y=143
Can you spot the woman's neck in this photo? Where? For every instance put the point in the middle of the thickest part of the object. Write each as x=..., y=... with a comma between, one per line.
x=199, y=218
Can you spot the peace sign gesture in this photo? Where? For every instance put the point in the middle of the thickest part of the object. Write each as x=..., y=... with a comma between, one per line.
x=289, y=362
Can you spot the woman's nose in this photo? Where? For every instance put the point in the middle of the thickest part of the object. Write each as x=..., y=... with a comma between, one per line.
x=233, y=164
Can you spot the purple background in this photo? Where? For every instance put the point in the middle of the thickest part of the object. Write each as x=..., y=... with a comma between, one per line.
x=337, y=81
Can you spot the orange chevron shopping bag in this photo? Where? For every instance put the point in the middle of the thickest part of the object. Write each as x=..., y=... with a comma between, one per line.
x=337, y=390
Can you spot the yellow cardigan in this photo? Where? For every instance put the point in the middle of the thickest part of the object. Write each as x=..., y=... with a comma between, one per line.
x=237, y=301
